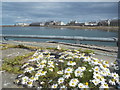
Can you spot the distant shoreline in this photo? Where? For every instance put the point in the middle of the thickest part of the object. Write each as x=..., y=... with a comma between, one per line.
x=110, y=28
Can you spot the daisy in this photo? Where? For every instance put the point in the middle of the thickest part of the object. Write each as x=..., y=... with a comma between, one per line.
x=54, y=86
x=41, y=65
x=82, y=68
x=115, y=75
x=112, y=81
x=42, y=73
x=68, y=70
x=104, y=85
x=106, y=63
x=95, y=81
x=29, y=69
x=96, y=69
x=63, y=86
x=26, y=64
x=44, y=61
x=80, y=85
x=73, y=82
x=78, y=72
x=32, y=78
x=66, y=75
x=71, y=63
x=24, y=80
x=29, y=83
x=60, y=80
x=103, y=73
x=60, y=72
x=87, y=58
x=61, y=60
x=50, y=62
x=51, y=69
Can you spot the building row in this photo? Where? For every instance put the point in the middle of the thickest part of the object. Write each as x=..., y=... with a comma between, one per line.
x=49, y=23
x=72, y=23
x=100, y=23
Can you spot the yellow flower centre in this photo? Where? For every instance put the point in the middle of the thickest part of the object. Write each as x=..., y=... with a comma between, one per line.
x=86, y=83
x=81, y=86
x=99, y=62
x=104, y=66
x=25, y=79
x=42, y=72
x=71, y=62
x=96, y=69
x=29, y=82
x=74, y=80
x=95, y=81
x=106, y=62
x=73, y=84
x=54, y=86
x=61, y=80
x=113, y=80
x=42, y=63
x=78, y=71
x=95, y=60
x=68, y=70
x=105, y=84
x=30, y=68
x=32, y=78
x=98, y=77
x=67, y=74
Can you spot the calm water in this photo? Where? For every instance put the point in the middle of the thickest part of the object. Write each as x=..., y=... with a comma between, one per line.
x=59, y=32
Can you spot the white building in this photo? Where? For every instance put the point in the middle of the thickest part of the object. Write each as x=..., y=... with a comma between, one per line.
x=91, y=23
x=62, y=23
x=21, y=24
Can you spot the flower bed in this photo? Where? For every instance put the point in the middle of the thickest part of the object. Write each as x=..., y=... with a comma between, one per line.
x=66, y=69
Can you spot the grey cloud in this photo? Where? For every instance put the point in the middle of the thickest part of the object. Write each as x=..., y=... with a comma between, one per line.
x=31, y=11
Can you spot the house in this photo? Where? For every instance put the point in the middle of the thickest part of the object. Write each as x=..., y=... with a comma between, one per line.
x=114, y=22
x=49, y=23
x=91, y=23
x=59, y=23
x=104, y=23
x=21, y=24
x=37, y=24
x=73, y=23
x=82, y=24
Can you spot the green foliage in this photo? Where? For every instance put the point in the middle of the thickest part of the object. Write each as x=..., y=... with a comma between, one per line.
x=13, y=65
x=6, y=46
x=87, y=51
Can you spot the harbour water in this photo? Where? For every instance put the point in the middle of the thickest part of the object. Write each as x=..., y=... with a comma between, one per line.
x=60, y=32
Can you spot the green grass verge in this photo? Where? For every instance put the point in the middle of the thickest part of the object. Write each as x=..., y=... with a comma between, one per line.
x=13, y=65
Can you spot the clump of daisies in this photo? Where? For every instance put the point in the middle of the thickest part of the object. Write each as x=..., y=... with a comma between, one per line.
x=66, y=69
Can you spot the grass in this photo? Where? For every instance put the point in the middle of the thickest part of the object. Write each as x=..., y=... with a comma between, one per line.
x=13, y=65
x=7, y=46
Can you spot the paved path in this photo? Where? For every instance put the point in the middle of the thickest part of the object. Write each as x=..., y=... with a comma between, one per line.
x=8, y=78
x=109, y=56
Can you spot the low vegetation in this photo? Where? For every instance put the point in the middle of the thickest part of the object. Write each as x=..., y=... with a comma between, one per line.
x=66, y=69
x=13, y=65
x=7, y=46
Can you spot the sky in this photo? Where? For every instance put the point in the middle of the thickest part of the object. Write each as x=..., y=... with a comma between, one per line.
x=28, y=12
